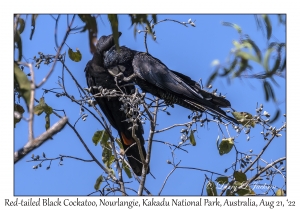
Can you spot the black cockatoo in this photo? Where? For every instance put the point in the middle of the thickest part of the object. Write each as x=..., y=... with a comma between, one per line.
x=97, y=75
x=154, y=77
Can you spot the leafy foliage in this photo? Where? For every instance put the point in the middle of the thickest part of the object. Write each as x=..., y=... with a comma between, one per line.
x=91, y=27
x=33, y=20
x=113, y=18
x=142, y=19
x=239, y=176
x=22, y=84
x=192, y=138
x=98, y=182
x=102, y=137
x=246, y=53
x=74, y=56
x=20, y=25
x=211, y=189
x=20, y=110
x=222, y=180
x=225, y=146
x=244, y=118
x=41, y=108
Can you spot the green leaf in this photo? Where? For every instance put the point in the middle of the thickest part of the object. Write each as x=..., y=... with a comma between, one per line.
x=243, y=66
x=279, y=192
x=266, y=91
x=192, y=139
x=38, y=109
x=276, y=66
x=47, y=119
x=43, y=107
x=229, y=193
x=114, y=23
x=74, y=56
x=19, y=109
x=211, y=189
x=247, y=56
x=246, y=190
x=237, y=44
x=126, y=169
x=21, y=25
x=269, y=91
x=97, y=136
x=23, y=84
x=104, y=139
x=107, y=156
x=240, y=176
x=222, y=180
x=225, y=146
x=275, y=117
x=266, y=58
x=33, y=19
x=18, y=42
x=42, y=101
x=110, y=161
x=119, y=143
x=98, y=182
x=91, y=26
x=233, y=25
x=48, y=109
x=244, y=118
x=142, y=19
x=268, y=26
x=255, y=47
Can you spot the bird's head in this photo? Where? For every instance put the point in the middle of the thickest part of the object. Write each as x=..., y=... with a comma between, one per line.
x=105, y=43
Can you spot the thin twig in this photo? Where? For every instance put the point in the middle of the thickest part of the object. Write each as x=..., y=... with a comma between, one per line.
x=61, y=156
x=57, y=54
x=173, y=126
x=200, y=169
x=264, y=149
x=173, y=145
x=55, y=30
x=88, y=150
x=151, y=135
x=166, y=179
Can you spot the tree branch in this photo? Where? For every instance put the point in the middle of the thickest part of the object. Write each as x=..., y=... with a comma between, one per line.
x=31, y=145
x=151, y=134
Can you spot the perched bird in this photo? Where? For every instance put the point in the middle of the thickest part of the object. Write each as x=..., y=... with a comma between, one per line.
x=154, y=77
x=97, y=75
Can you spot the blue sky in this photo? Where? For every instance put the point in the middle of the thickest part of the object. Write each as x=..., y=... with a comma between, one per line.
x=189, y=50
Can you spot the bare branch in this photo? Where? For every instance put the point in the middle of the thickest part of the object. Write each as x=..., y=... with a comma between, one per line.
x=31, y=145
x=168, y=177
x=173, y=145
x=200, y=169
x=61, y=156
x=151, y=135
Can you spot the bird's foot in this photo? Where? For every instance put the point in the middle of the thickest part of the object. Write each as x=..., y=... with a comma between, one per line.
x=130, y=78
